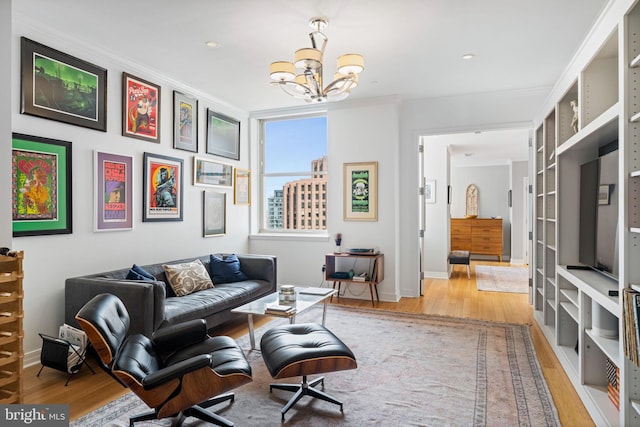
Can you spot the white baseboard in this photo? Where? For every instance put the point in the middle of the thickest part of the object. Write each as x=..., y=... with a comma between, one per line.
x=436, y=275
x=31, y=358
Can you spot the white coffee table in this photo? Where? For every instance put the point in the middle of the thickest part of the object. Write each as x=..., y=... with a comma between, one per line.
x=305, y=299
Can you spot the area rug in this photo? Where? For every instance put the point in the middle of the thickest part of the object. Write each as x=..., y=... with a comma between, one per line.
x=413, y=370
x=502, y=279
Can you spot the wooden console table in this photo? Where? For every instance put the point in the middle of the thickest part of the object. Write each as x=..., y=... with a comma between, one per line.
x=375, y=271
x=480, y=236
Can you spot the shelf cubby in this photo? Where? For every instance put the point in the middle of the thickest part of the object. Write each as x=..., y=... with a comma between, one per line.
x=551, y=234
x=550, y=139
x=568, y=291
x=550, y=315
x=550, y=264
x=538, y=301
x=566, y=114
x=568, y=332
x=539, y=254
x=600, y=81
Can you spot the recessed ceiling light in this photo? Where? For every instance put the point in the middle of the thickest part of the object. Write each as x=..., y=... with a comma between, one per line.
x=468, y=56
x=212, y=44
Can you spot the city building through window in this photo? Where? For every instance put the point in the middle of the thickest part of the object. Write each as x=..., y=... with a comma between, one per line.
x=294, y=173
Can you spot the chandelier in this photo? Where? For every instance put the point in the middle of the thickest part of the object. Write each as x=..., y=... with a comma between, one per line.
x=303, y=78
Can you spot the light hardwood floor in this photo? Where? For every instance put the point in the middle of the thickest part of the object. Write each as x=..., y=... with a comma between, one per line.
x=455, y=297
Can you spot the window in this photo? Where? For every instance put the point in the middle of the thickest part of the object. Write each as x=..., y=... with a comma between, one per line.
x=294, y=164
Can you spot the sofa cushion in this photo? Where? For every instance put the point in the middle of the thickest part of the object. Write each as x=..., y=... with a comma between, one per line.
x=188, y=277
x=226, y=269
x=205, y=304
x=138, y=273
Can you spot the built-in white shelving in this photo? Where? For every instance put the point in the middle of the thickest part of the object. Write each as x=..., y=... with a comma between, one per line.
x=599, y=106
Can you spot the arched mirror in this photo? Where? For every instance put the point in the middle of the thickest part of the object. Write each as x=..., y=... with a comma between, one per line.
x=472, y=201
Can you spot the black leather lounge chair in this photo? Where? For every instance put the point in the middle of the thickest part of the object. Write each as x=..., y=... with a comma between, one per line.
x=178, y=372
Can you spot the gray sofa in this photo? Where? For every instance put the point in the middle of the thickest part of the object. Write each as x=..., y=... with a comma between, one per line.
x=153, y=304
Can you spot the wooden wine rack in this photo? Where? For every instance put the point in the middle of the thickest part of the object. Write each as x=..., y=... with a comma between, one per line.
x=11, y=332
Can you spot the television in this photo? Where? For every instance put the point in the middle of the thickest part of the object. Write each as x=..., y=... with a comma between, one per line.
x=599, y=212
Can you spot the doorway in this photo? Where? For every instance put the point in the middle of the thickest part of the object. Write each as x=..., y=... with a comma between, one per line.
x=498, y=159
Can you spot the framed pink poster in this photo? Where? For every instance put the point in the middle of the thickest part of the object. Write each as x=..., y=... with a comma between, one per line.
x=113, y=192
x=140, y=108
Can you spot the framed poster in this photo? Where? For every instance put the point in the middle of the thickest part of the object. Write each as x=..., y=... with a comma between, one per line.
x=207, y=172
x=604, y=194
x=140, y=108
x=162, y=188
x=242, y=187
x=360, y=191
x=223, y=135
x=185, y=122
x=60, y=87
x=40, y=186
x=113, y=192
x=214, y=213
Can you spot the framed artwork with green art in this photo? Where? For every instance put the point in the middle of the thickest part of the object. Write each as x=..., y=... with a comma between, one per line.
x=60, y=87
x=40, y=186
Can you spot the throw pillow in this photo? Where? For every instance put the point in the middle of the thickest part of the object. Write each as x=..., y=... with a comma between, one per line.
x=138, y=273
x=226, y=269
x=188, y=277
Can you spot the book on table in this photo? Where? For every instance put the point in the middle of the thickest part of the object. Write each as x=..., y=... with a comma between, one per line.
x=315, y=291
x=280, y=309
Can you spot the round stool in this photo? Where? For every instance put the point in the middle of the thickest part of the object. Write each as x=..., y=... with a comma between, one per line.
x=301, y=350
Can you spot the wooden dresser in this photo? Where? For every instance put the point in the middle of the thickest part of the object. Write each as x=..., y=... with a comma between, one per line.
x=481, y=236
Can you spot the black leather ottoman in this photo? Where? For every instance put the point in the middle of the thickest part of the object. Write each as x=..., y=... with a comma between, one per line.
x=301, y=350
x=460, y=258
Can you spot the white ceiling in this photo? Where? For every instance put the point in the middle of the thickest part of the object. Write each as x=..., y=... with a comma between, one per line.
x=488, y=148
x=412, y=48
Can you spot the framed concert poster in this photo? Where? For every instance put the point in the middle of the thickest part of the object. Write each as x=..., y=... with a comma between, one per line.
x=242, y=187
x=113, y=192
x=185, y=122
x=162, y=188
x=360, y=191
x=140, y=108
x=40, y=186
x=60, y=87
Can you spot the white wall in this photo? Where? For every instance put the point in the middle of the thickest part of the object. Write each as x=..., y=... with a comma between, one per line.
x=49, y=260
x=493, y=184
x=357, y=132
x=6, y=67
